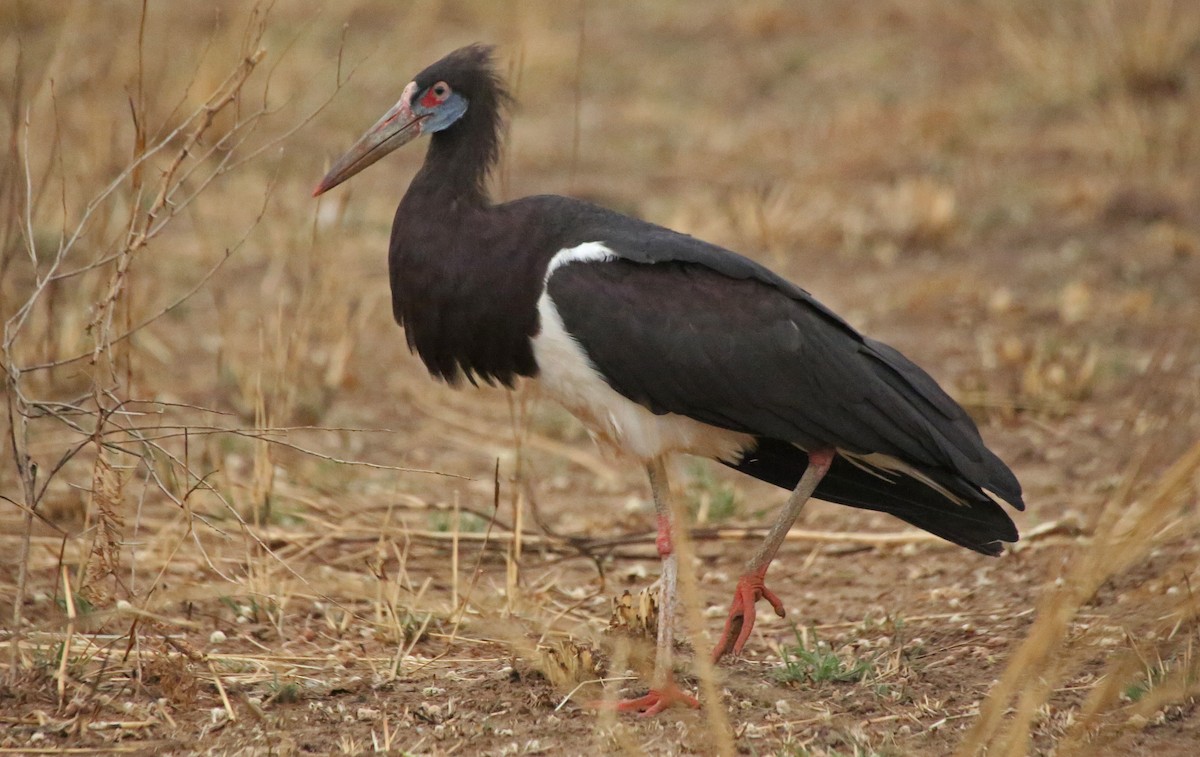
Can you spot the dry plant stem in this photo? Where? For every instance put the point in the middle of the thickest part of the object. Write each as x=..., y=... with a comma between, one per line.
x=402, y=650
x=69, y=597
x=178, y=432
x=1128, y=530
x=724, y=534
x=461, y=609
x=1123, y=669
x=715, y=716
x=454, y=555
x=143, y=229
x=221, y=691
x=518, y=406
x=18, y=425
x=140, y=233
x=20, y=408
x=27, y=473
x=660, y=488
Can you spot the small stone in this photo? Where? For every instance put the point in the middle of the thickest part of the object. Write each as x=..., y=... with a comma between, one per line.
x=634, y=572
x=216, y=637
x=504, y=673
x=430, y=713
x=367, y=713
x=635, y=505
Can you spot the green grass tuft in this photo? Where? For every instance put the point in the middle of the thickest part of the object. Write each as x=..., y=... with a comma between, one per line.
x=819, y=662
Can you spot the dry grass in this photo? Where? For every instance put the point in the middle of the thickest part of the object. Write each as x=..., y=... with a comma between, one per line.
x=236, y=513
x=1138, y=520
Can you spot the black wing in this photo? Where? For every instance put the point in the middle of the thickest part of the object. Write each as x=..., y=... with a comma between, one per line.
x=692, y=329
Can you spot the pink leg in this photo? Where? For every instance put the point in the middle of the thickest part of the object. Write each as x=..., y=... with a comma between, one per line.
x=664, y=692
x=751, y=586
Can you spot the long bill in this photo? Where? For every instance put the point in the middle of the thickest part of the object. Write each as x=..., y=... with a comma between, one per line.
x=398, y=127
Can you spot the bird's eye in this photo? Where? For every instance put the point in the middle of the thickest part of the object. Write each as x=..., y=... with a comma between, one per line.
x=435, y=95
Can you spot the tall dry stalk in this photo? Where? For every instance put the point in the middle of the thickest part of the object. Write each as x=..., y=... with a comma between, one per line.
x=166, y=174
x=1137, y=520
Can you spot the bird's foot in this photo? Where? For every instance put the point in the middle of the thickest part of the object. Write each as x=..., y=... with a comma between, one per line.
x=750, y=589
x=654, y=702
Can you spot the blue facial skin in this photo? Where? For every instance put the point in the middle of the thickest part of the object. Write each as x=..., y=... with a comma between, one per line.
x=442, y=115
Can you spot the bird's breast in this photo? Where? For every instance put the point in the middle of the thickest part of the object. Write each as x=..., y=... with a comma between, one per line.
x=466, y=315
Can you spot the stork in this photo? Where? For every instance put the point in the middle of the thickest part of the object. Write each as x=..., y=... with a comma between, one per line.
x=663, y=344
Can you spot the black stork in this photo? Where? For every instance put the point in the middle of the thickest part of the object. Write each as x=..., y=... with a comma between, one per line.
x=661, y=343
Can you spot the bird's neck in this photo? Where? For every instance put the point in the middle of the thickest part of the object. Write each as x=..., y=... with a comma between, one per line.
x=458, y=162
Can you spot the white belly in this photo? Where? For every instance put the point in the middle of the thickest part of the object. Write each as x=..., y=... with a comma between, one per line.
x=566, y=375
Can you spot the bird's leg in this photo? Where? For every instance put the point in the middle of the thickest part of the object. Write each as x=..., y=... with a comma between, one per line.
x=750, y=587
x=664, y=692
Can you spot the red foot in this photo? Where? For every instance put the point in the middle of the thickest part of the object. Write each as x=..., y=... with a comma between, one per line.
x=740, y=622
x=655, y=701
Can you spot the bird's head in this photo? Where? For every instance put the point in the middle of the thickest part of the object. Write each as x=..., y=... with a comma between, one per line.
x=436, y=99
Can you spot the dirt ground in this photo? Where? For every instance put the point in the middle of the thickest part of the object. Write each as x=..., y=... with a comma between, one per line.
x=341, y=556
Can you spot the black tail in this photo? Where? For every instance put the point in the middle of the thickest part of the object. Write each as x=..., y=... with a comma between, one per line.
x=978, y=523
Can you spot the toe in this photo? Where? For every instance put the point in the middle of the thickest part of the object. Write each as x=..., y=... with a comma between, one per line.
x=775, y=601
x=653, y=703
x=747, y=627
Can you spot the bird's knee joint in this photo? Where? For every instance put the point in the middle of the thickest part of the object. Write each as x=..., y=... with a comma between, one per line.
x=663, y=542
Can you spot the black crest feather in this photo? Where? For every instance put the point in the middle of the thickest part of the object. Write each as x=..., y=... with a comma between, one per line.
x=470, y=149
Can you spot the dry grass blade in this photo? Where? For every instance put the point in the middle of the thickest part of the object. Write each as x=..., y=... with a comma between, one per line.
x=1134, y=522
x=716, y=715
x=146, y=222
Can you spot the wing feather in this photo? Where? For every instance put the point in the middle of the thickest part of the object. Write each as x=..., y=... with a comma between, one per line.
x=727, y=343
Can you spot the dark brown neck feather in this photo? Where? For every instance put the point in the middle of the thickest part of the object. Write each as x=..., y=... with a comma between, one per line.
x=461, y=157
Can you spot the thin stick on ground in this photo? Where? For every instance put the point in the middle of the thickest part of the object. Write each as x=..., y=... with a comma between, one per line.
x=212, y=668
x=69, y=598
